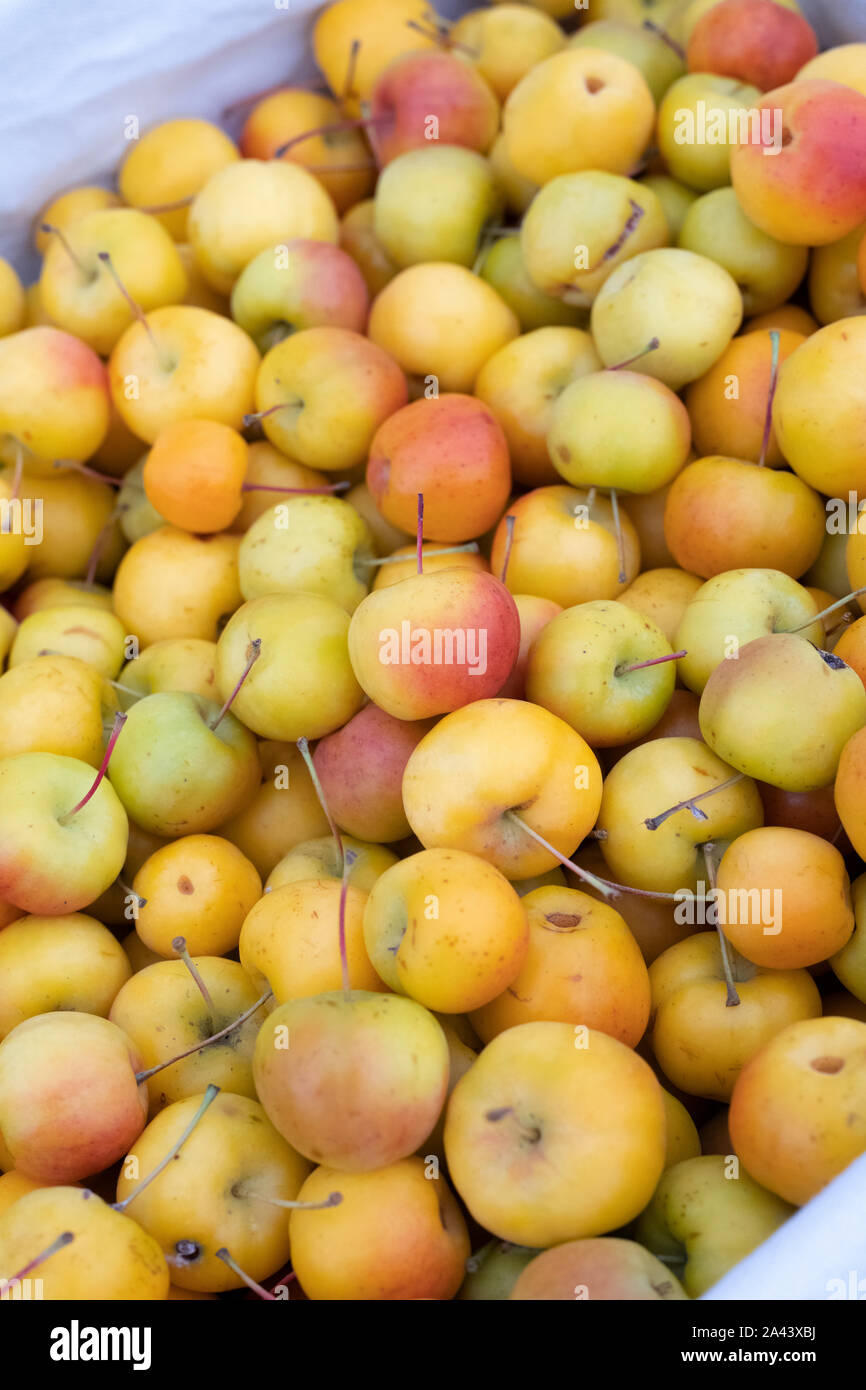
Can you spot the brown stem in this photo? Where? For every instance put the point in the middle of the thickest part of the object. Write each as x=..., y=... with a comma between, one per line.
x=348, y=89
x=620, y=540
x=774, y=380
x=119, y=721
x=215, y=1037
x=732, y=999
x=650, y=347
x=825, y=612
x=653, y=822
x=637, y=212
x=641, y=665
x=99, y=545
x=62, y=238
x=18, y=473
x=666, y=38
x=345, y=860
x=348, y=123
x=89, y=472
x=467, y=548
x=254, y=651
x=62, y=1240
x=257, y=415
x=227, y=1259
x=180, y=948
x=509, y=541
x=601, y=885
x=420, y=533
x=136, y=309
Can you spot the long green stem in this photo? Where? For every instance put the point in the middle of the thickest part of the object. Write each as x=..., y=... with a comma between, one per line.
x=602, y=885
x=209, y=1097
x=733, y=998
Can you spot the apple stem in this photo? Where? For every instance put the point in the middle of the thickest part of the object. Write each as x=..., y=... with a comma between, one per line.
x=130, y=892
x=634, y=217
x=420, y=533
x=641, y=665
x=345, y=859
x=653, y=822
x=509, y=541
x=119, y=721
x=439, y=31
x=733, y=997
x=136, y=309
x=64, y=242
x=665, y=38
x=19, y=470
x=774, y=379
x=208, y=1098
x=296, y=491
x=650, y=347
x=348, y=88
x=254, y=651
x=484, y=243
x=180, y=948
x=467, y=548
x=825, y=612
x=89, y=472
x=215, y=1037
x=99, y=546
x=620, y=541
x=127, y=689
x=601, y=885
x=359, y=123
x=62, y=1240
x=341, y=927
x=256, y=416
x=303, y=747
x=227, y=1259
x=332, y=1200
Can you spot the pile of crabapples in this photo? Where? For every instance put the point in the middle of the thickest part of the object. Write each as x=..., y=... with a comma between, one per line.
x=433, y=720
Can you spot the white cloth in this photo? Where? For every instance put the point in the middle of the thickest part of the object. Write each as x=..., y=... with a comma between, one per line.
x=72, y=73
x=819, y=1253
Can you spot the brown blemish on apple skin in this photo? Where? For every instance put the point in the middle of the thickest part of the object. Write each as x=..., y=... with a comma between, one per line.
x=185, y=885
x=828, y=1065
x=563, y=921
